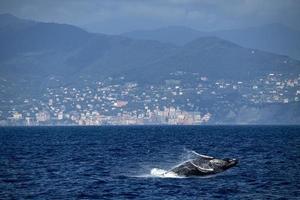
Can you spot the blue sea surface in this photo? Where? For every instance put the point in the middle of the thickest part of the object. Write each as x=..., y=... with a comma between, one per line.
x=115, y=162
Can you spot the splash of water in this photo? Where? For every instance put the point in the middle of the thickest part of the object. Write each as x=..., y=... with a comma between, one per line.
x=163, y=173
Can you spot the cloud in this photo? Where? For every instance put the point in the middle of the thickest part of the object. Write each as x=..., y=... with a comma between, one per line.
x=123, y=15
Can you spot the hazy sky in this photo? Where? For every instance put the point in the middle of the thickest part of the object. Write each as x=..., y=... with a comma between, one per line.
x=116, y=16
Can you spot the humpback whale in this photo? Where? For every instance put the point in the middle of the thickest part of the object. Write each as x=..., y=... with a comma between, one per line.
x=202, y=165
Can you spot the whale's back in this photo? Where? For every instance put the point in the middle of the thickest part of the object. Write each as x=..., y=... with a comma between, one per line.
x=201, y=166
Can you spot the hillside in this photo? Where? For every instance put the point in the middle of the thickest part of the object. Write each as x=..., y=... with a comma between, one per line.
x=48, y=68
x=43, y=49
x=219, y=59
x=275, y=38
x=178, y=35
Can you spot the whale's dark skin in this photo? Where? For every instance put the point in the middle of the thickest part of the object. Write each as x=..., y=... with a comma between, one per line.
x=203, y=166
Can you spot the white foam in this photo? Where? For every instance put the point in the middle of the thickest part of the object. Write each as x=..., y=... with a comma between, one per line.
x=163, y=173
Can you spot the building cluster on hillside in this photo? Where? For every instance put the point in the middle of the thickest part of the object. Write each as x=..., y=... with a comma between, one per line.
x=118, y=102
x=168, y=116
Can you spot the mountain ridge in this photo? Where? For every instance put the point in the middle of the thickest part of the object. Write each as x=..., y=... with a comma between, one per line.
x=63, y=68
x=275, y=38
x=49, y=48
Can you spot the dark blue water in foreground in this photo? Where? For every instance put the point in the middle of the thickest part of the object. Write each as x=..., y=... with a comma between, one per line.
x=114, y=162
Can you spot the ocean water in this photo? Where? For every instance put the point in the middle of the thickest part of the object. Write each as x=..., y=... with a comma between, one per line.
x=115, y=162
